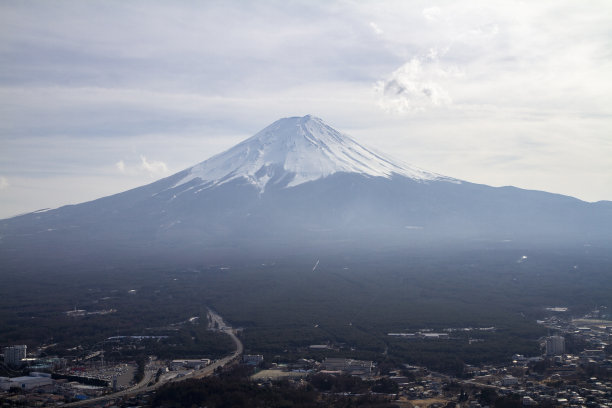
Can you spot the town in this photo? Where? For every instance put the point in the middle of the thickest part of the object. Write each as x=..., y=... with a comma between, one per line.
x=574, y=370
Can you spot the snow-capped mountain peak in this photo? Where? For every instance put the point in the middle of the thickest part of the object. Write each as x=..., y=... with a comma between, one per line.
x=296, y=150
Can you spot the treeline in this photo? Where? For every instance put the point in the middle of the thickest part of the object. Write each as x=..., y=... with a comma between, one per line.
x=141, y=363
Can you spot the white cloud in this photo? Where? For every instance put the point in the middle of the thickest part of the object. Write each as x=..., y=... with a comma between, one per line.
x=113, y=82
x=4, y=184
x=432, y=13
x=485, y=30
x=416, y=86
x=377, y=30
x=153, y=167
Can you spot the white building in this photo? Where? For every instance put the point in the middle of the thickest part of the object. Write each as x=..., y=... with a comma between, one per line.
x=528, y=401
x=555, y=345
x=195, y=364
x=14, y=354
x=32, y=382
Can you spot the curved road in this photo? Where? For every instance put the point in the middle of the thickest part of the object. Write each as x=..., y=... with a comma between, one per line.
x=151, y=370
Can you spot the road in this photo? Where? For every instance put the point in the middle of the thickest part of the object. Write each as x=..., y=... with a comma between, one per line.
x=152, y=367
x=223, y=327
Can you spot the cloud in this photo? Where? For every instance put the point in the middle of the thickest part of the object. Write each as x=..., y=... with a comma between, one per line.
x=4, y=184
x=153, y=167
x=376, y=28
x=486, y=30
x=417, y=85
x=104, y=80
x=432, y=13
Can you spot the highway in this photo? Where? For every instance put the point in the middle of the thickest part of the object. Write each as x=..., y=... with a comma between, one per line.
x=153, y=366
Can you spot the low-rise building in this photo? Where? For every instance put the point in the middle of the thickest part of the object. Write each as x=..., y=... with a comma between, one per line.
x=598, y=354
x=509, y=381
x=34, y=381
x=252, y=359
x=349, y=366
x=195, y=364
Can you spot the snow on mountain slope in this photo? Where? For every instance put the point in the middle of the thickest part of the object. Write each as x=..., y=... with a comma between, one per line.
x=295, y=150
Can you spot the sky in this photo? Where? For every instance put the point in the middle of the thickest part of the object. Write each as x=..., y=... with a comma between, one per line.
x=98, y=97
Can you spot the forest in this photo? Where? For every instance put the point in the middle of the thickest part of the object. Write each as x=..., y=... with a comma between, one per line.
x=349, y=301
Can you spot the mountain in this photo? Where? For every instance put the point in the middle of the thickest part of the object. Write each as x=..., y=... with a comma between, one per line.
x=294, y=151
x=299, y=185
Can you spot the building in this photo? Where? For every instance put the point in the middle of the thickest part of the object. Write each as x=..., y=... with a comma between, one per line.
x=509, y=381
x=34, y=381
x=349, y=366
x=14, y=354
x=598, y=355
x=434, y=336
x=528, y=401
x=252, y=359
x=555, y=345
x=195, y=364
x=334, y=364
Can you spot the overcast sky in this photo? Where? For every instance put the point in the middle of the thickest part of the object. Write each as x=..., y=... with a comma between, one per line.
x=97, y=97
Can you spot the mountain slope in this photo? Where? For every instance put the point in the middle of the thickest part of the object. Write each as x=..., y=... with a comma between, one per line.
x=299, y=185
